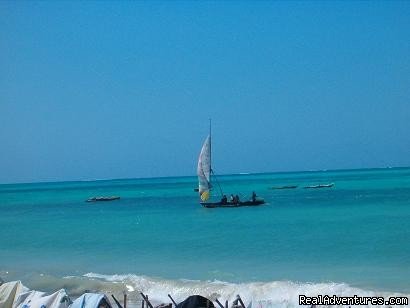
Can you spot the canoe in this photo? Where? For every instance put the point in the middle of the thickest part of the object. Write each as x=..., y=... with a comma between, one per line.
x=285, y=187
x=320, y=186
x=95, y=199
x=229, y=204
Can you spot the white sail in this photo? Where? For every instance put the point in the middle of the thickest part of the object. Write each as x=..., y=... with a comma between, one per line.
x=204, y=170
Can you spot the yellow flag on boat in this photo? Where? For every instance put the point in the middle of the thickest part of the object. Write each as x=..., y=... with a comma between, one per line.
x=205, y=196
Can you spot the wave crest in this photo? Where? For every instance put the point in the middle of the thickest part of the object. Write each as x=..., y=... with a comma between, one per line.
x=263, y=294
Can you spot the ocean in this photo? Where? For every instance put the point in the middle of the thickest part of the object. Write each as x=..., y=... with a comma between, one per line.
x=353, y=238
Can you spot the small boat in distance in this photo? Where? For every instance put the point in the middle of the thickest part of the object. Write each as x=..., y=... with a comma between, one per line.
x=285, y=187
x=95, y=199
x=320, y=186
x=204, y=172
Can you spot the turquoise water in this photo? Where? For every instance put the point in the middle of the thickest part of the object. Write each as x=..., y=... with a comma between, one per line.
x=354, y=235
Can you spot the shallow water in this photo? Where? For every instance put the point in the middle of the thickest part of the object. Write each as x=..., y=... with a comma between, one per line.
x=354, y=235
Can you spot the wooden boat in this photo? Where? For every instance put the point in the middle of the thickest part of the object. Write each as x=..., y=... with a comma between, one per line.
x=204, y=172
x=285, y=187
x=95, y=199
x=320, y=186
x=230, y=204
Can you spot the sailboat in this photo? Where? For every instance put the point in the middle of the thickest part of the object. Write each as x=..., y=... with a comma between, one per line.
x=204, y=172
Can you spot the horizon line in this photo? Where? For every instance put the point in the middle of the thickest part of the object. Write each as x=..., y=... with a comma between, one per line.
x=187, y=176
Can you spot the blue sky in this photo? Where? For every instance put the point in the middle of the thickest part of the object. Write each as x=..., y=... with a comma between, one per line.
x=125, y=89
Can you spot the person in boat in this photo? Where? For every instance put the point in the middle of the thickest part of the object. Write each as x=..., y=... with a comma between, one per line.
x=236, y=199
x=253, y=197
x=224, y=199
x=232, y=198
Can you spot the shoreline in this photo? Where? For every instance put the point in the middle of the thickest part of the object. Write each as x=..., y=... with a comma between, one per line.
x=264, y=293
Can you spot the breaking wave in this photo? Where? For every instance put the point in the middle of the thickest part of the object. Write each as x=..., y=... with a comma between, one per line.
x=261, y=294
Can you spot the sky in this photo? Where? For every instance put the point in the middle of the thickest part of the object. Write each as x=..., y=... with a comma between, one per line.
x=100, y=90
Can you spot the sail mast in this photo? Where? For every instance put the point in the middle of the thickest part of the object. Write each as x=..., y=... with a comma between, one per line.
x=210, y=145
x=210, y=158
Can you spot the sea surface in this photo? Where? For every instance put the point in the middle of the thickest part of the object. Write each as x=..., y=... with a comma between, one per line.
x=353, y=238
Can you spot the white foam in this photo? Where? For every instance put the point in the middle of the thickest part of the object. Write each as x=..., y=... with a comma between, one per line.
x=262, y=294
x=129, y=288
